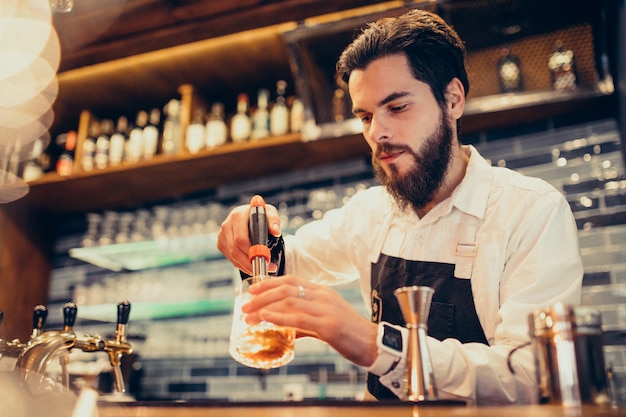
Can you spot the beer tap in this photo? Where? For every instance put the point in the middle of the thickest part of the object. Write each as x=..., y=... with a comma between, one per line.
x=9, y=348
x=120, y=346
x=34, y=358
x=46, y=345
x=14, y=348
x=69, y=318
x=40, y=314
x=114, y=348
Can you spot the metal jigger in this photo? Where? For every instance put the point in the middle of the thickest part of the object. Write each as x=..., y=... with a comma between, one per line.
x=419, y=380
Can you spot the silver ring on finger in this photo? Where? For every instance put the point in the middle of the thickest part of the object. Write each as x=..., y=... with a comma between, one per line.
x=301, y=291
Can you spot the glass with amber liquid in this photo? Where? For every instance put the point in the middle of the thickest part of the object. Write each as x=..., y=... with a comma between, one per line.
x=263, y=345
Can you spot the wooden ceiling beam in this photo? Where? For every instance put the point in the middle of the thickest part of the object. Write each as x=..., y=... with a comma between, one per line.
x=91, y=34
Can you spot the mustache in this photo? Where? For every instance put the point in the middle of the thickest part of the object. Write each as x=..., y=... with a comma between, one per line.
x=388, y=148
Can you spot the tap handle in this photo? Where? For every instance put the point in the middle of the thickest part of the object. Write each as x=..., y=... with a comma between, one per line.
x=40, y=313
x=69, y=315
x=123, y=312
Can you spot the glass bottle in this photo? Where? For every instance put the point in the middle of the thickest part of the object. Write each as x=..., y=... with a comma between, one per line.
x=562, y=67
x=134, y=145
x=279, y=115
x=15, y=158
x=509, y=72
x=339, y=105
x=103, y=143
x=194, y=136
x=32, y=167
x=151, y=134
x=216, y=130
x=65, y=163
x=172, y=130
x=261, y=117
x=118, y=139
x=124, y=225
x=91, y=236
x=240, y=126
x=296, y=115
x=89, y=146
x=108, y=228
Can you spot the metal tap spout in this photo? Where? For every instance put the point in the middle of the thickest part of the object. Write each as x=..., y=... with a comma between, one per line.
x=37, y=354
x=11, y=349
x=114, y=349
x=43, y=346
x=14, y=347
x=119, y=346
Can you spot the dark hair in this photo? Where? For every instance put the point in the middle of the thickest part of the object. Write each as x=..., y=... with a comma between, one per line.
x=434, y=50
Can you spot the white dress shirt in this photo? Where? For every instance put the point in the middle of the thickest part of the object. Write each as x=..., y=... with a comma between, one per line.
x=527, y=257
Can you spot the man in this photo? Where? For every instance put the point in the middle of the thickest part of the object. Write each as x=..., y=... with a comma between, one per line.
x=493, y=244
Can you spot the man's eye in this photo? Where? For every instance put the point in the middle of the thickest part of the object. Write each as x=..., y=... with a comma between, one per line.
x=398, y=108
x=365, y=119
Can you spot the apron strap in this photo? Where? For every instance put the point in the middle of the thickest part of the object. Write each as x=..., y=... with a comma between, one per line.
x=466, y=247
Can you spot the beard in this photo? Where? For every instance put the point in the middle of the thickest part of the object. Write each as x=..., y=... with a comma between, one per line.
x=417, y=187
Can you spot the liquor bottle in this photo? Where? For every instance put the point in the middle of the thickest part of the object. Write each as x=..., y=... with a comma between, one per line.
x=216, y=130
x=172, y=130
x=32, y=168
x=103, y=144
x=87, y=162
x=261, y=117
x=118, y=141
x=296, y=115
x=509, y=72
x=194, y=136
x=90, y=238
x=339, y=105
x=151, y=134
x=134, y=144
x=279, y=115
x=14, y=159
x=240, y=126
x=562, y=67
x=65, y=163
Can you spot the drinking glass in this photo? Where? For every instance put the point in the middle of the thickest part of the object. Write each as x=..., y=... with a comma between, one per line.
x=263, y=345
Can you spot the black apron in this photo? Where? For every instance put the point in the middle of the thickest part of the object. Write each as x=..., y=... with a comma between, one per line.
x=452, y=312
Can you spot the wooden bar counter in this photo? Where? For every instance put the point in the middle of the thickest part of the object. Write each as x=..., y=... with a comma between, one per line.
x=345, y=409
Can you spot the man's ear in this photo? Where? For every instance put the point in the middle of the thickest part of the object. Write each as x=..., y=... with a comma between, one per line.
x=455, y=96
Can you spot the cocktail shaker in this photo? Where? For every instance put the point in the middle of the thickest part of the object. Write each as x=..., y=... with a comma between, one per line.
x=569, y=355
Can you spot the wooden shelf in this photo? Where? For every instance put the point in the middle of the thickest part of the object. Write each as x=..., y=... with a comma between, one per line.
x=506, y=110
x=240, y=62
x=170, y=176
x=166, y=177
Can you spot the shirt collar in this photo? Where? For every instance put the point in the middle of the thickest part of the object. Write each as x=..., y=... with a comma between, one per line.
x=470, y=196
x=472, y=193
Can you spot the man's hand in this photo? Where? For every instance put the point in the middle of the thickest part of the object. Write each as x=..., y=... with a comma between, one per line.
x=314, y=310
x=233, y=239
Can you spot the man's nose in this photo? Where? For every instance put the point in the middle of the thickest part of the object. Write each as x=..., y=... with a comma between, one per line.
x=379, y=130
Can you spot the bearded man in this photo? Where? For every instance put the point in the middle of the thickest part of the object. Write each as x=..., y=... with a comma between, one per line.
x=493, y=244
